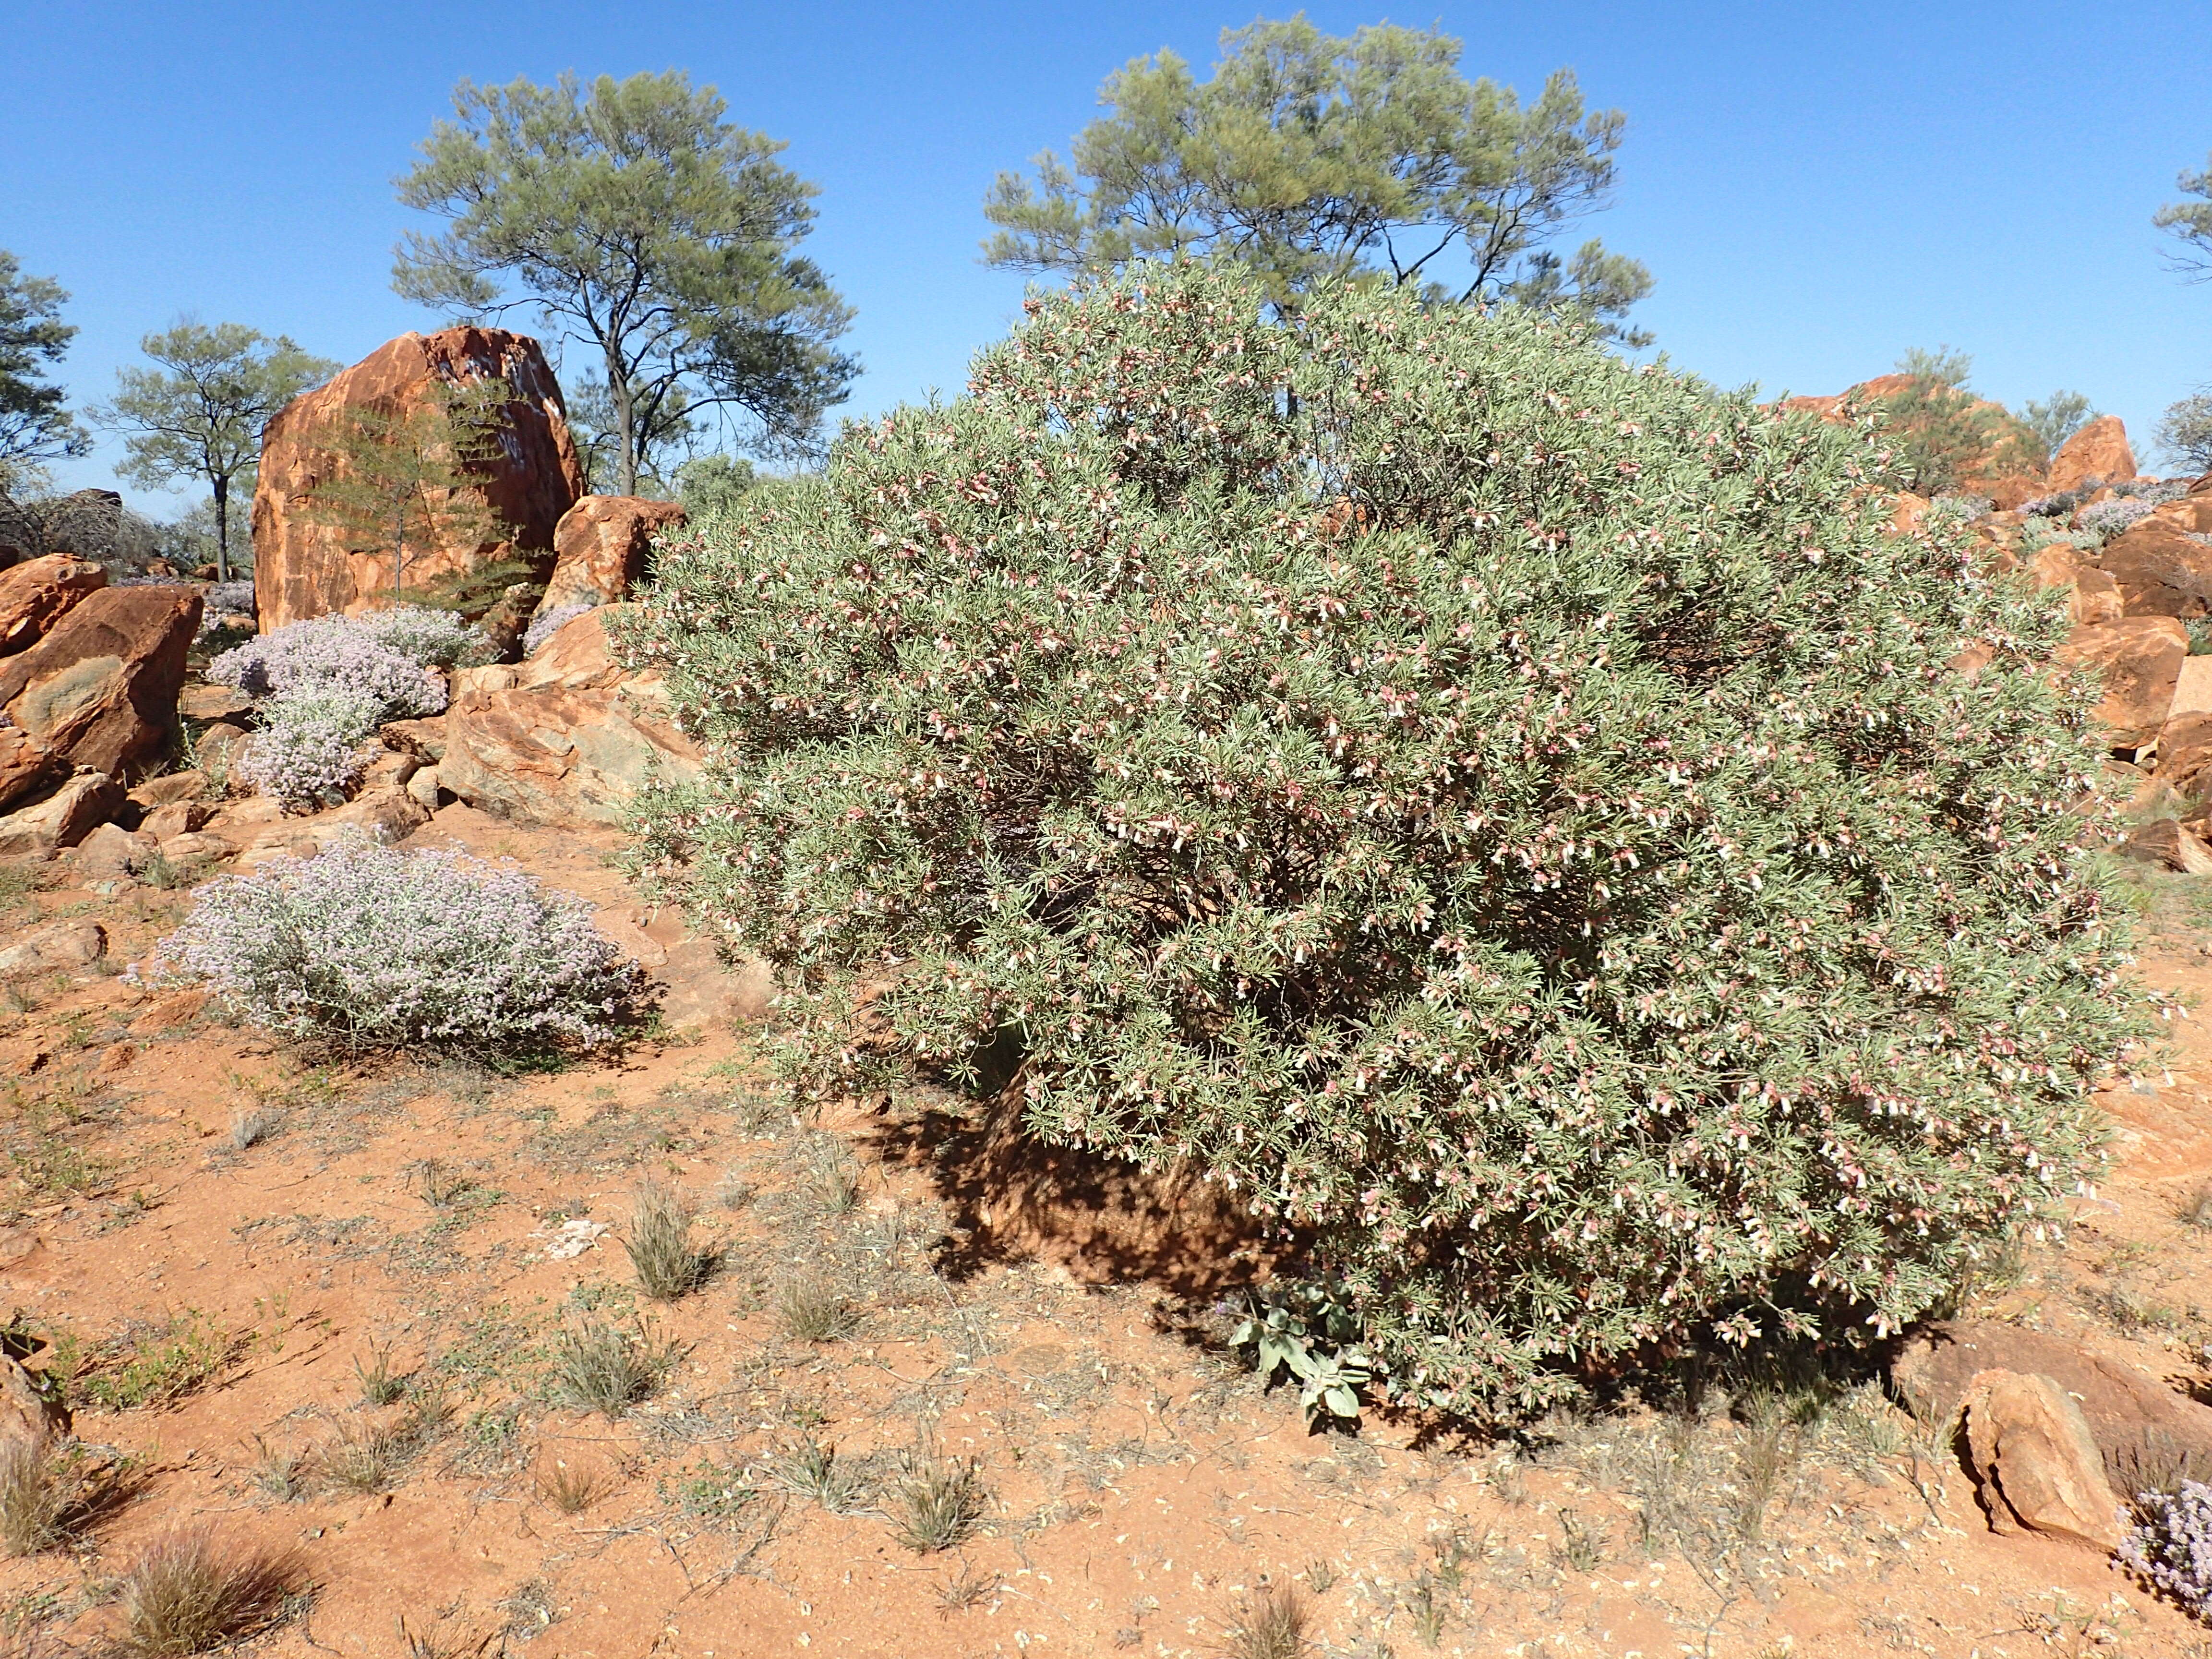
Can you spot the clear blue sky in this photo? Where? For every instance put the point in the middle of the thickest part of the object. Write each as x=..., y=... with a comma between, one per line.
x=1815, y=187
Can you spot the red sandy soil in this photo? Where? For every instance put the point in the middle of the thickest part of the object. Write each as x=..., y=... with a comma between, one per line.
x=1136, y=1487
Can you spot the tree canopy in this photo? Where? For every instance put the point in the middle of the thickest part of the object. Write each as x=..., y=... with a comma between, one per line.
x=2191, y=222
x=34, y=425
x=1942, y=437
x=1316, y=158
x=200, y=415
x=634, y=217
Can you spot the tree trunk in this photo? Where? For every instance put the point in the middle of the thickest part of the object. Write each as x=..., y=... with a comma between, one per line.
x=625, y=422
x=222, y=528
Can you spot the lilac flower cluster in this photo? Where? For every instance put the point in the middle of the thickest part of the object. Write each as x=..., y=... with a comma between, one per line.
x=546, y=623
x=368, y=946
x=2107, y=518
x=307, y=752
x=2171, y=1547
x=330, y=651
x=426, y=636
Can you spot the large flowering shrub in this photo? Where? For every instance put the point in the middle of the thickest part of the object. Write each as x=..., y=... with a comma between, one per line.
x=344, y=652
x=2171, y=1547
x=369, y=947
x=1503, y=810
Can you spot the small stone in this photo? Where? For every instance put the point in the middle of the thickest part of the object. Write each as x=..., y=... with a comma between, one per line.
x=2038, y=1467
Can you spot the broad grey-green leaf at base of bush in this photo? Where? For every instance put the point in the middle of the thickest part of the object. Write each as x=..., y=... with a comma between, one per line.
x=367, y=947
x=1506, y=813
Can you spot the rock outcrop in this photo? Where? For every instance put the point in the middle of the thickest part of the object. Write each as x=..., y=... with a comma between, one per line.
x=65, y=944
x=99, y=691
x=2100, y=451
x=301, y=568
x=37, y=594
x=2038, y=1467
x=599, y=548
x=2161, y=570
x=564, y=738
x=2137, y=1422
x=2141, y=659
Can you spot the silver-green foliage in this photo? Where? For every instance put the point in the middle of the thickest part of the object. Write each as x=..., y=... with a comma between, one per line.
x=1506, y=811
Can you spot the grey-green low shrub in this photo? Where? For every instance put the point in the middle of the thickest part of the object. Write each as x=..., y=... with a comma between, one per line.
x=366, y=946
x=1505, y=811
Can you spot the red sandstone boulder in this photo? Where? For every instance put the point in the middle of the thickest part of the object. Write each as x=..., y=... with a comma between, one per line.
x=2138, y=1422
x=2100, y=451
x=566, y=736
x=99, y=691
x=2141, y=659
x=2036, y=1462
x=2094, y=596
x=2161, y=570
x=300, y=570
x=599, y=548
x=37, y=594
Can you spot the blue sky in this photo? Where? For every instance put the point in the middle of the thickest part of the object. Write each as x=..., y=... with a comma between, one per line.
x=1815, y=187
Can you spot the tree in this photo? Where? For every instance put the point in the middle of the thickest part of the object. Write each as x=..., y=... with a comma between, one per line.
x=1511, y=819
x=34, y=424
x=2185, y=432
x=1943, y=437
x=2052, y=423
x=2191, y=222
x=200, y=416
x=1315, y=159
x=713, y=484
x=639, y=220
x=411, y=482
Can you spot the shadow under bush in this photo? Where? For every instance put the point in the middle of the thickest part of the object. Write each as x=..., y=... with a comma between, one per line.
x=1507, y=814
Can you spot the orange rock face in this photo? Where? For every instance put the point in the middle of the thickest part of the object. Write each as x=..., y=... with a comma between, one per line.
x=2141, y=659
x=37, y=593
x=99, y=691
x=565, y=737
x=600, y=548
x=2161, y=571
x=300, y=570
x=2099, y=449
x=2036, y=1462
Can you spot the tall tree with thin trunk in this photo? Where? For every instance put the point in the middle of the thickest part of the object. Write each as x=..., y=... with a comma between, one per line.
x=637, y=219
x=200, y=415
x=2190, y=223
x=1318, y=158
x=34, y=425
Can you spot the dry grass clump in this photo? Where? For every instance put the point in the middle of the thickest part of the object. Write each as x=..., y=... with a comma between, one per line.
x=812, y=1309
x=570, y=1490
x=190, y=1592
x=598, y=1368
x=669, y=1264
x=50, y=1494
x=1270, y=1623
x=812, y=1471
x=937, y=1501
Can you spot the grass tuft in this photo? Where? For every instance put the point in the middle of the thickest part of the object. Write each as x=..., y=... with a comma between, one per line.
x=598, y=1368
x=570, y=1490
x=190, y=1592
x=937, y=1501
x=52, y=1494
x=380, y=1385
x=812, y=1471
x=811, y=1309
x=668, y=1265
x=1270, y=1623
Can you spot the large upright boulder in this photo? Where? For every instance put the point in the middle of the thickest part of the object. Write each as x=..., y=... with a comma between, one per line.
x=563, y=737
x=300, y=570
x=99, y=691
x=38, y=593
x=2100, y=451
x=599, y=548
x=2141, y=658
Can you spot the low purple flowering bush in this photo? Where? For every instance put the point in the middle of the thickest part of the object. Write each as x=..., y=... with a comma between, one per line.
x=366, y=946
x=546, y=623
x=306, y=751
x=2107, y=518
x=1504, y=812
x=330, y=651
x=2171, y=1546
